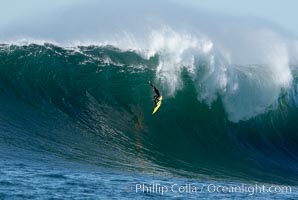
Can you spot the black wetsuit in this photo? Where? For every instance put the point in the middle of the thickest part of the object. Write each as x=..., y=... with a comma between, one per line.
x=157, y=95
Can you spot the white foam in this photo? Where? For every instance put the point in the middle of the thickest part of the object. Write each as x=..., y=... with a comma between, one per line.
x=247, y=89
x=177, y=51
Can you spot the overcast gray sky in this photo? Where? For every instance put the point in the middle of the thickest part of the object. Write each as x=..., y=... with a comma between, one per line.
x=40, y=15
x=281, y=12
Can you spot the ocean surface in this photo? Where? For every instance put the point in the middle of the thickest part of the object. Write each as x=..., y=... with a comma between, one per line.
x=76, y=123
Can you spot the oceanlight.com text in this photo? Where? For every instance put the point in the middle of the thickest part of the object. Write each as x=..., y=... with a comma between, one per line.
x=209, y=188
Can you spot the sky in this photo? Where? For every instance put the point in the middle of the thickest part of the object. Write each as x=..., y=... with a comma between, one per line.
x=283, y=13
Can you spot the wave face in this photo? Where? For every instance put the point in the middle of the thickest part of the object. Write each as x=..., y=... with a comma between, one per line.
x=92, y=104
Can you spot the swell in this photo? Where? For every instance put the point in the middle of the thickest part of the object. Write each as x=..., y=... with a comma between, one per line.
x=93, y=104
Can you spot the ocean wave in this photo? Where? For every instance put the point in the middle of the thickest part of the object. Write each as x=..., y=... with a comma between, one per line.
x=93, y=104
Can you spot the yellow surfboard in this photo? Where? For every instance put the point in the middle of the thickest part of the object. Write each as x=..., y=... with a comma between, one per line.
x=157, y=105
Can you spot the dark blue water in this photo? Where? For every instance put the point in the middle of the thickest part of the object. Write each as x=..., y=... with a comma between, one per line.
x=52, y=179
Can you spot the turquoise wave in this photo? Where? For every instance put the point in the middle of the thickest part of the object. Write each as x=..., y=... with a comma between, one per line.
x=92, y=104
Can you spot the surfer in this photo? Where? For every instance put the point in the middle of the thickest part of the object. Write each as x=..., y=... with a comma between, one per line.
x=157, y=95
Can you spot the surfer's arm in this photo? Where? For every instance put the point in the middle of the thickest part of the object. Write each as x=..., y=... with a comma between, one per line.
x=150, y=84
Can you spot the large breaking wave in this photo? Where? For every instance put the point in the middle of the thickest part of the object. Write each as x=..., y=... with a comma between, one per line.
x=77, y=89
x=93, y=104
